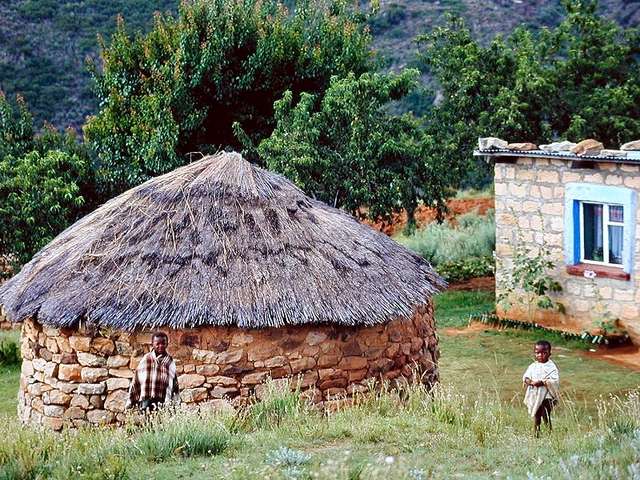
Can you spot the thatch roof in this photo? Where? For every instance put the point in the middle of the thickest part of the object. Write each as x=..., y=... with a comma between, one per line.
x=218, y=242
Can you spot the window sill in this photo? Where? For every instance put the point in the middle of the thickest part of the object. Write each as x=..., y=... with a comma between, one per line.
x=601, y=271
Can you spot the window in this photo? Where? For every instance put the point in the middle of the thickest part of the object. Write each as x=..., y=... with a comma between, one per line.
x=601, y=233
x=599, y=227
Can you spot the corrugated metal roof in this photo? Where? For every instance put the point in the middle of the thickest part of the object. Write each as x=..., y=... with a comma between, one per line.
x=632, y=156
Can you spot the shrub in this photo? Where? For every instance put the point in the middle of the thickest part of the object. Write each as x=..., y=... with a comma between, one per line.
x=9, y=350
x=278, y=403
x=466, y=268
x=171, y=433
x=442, y=243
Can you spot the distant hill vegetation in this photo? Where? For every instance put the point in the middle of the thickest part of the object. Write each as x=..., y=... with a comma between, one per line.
x=44, y=43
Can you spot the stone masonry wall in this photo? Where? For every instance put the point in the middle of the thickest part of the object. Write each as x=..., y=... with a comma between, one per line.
x=75, y=378
x=529, y=196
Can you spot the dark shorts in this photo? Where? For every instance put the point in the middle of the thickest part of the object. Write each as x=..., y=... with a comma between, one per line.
x=150, y=403
x=544, y=410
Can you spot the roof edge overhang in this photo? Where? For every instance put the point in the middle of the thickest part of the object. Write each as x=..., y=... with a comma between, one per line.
x=507, y=155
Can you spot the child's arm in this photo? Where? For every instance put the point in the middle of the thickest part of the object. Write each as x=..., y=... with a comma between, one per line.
x=531, y=383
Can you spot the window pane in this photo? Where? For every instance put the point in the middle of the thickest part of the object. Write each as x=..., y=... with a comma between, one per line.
x=593, y=232
x=615, y=244
x=616, y=213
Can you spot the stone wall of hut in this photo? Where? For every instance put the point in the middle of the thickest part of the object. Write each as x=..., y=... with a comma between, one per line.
x=81, y=377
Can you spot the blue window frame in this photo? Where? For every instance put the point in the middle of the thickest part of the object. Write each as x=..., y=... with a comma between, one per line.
x=599, y=225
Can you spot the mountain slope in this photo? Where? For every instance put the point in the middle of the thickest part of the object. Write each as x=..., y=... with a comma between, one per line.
x=44, y=43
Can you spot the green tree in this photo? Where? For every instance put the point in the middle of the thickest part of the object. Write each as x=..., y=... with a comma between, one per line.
x=41, y=197
x=45, y=182
x=179, y=88
x=346, y=150
x=578, y=80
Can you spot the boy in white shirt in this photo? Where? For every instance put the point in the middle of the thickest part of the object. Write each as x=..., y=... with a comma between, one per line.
x=542, y=383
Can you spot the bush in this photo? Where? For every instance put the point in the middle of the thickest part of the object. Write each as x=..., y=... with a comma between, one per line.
x=9, y=350
x=181, y=434
x=447, y=244
x=466, y=268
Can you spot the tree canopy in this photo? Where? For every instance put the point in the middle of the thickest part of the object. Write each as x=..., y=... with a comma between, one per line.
x=45, y=182
x=182, y=86
x=579, y=80
x=346, y=150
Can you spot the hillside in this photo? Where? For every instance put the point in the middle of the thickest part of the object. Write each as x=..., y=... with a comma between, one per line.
x=44, y=43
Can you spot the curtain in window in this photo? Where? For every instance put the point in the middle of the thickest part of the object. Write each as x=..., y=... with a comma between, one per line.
x=615, y=244
x=593, y=220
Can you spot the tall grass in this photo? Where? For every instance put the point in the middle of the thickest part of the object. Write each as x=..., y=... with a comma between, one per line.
x=473, y=236
x=411, y=432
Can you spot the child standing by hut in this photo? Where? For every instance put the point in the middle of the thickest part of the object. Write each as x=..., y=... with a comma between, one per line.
x=542, y=383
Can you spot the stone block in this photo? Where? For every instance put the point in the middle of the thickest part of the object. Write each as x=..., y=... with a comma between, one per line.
x=222, y=392
x=117, y=361
x=56, y=397
x=613, y=180
x=50, y=331
x=66, y=387
x=632, y=182
x=205, y=356
x=315, y=338
x=190, y=380
x=357, y=375
x=116, y=401
x=91, y=388
x=123, y=348
x=27, y=368
x=90, y=360
x=352, y=363
x=306, y=380
x=52, y=345
x=74, y=413
x=80, y=344
x=548, y=176
x=53, y=423
x=39, y=364
x=96, y=401
x=64, y=345
x=241, y=339
x=121, y=372
x=53, y=410
x=102, y=346
x=275, y=362
x=305, y=363
x=262, y=351
x=80, y=401
x=254, y=378
x=191, y=395
x=207, y=369
x=100, y=417
x=117, y=384
x=222, y=381
x=94, y=375
x=518, y=190
x=329, y=360
x=51, y=369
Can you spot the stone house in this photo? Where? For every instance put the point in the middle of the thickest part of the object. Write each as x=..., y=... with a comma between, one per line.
x=248, y=276
x=583, y=207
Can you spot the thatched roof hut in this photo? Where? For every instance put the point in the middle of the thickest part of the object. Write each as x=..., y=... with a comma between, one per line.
x=217, y=244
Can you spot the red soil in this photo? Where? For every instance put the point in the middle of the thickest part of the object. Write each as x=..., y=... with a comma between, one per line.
x=425, y=215
x=487, y=284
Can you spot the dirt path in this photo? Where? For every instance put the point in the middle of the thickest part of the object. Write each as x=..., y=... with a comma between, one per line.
x=487, y=284
x=628, y=357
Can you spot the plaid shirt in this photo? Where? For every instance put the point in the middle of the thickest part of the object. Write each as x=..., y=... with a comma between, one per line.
x=155, y=378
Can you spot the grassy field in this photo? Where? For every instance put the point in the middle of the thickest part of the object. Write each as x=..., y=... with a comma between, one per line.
x=473, y=426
